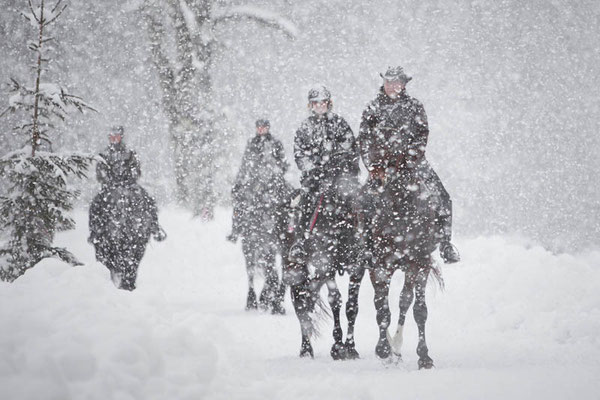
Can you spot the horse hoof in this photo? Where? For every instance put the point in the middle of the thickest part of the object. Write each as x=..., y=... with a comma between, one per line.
x=263, y=301
x=383, y=349
x=306, y=351
x=351, y=353
x=251, y=301
x=426, y=363
x=277, y=309
x=338, y=351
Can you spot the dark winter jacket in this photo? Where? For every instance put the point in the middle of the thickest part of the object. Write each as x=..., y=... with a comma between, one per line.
x=118, y=166
x=260, y=185
x=121, y=217
x=393, y=132
x=325, y=149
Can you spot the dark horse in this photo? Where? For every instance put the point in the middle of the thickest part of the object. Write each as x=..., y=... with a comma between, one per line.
x=404, y=231
x=332, y=249
x=121, y=220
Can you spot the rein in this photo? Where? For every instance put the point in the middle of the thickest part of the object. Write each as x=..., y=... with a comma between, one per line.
x=315, y=214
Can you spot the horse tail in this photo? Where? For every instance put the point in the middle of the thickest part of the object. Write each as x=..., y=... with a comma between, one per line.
x=310, y=308
x=436, y=273
x=320, y=313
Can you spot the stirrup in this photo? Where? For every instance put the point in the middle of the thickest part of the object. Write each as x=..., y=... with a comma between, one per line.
x=298, y=253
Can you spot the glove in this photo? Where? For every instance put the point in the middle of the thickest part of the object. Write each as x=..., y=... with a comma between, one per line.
x=312, y=180
x=160, y=235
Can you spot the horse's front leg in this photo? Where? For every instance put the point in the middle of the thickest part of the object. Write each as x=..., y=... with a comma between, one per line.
x=406, y=300
x=303, y=306
x=352, y=310
x=335, y=302
x=420, y=314
x=380, y=278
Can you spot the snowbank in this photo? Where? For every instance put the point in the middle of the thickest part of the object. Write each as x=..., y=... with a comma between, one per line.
x=515, y=321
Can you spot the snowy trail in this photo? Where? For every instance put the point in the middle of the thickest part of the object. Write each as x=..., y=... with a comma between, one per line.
x=514, y=322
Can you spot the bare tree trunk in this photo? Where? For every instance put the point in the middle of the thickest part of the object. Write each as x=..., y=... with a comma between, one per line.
x=35, y=137
x=187, y=89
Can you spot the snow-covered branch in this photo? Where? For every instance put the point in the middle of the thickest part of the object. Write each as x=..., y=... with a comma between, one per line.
x=259, y=15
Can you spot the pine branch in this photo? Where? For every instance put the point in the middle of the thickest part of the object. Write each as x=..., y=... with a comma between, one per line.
x=56, y=6
x=33, y=12
x=56, y=16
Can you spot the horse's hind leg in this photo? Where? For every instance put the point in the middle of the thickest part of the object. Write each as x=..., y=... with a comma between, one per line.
x=380, y=278
x=131, y=263
x=420, y=314
x=335, y=302
x=352, y=311
x=129, y=275
x=267, y=262
x=249, y=255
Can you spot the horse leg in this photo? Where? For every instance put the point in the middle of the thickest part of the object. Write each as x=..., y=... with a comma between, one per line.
x=352, y=310
x=420, y=314
x=381, y=278
x=129, y=274
x=406, y=299
x=131, y=263
x=303, y=305
x=267, y=294
x=277, y=305
x=335, y=302
x=249, y=256
x=115, y=257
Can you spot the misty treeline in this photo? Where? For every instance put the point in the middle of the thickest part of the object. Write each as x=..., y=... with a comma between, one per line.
x=509, y=88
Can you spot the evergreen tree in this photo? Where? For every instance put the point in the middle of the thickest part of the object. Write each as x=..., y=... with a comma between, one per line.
x=35, y=194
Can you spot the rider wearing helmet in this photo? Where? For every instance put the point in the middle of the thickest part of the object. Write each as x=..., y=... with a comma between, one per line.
x=325, y=151
x=118, y=165
x=123, y=215
x=258, y=193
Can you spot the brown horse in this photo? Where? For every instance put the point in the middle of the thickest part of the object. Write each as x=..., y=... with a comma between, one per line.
x=401, y=228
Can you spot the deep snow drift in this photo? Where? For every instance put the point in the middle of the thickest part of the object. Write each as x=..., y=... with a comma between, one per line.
x=515, y=321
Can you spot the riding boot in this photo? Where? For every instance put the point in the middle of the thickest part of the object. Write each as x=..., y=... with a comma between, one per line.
x=448, y=251
x=298, y=253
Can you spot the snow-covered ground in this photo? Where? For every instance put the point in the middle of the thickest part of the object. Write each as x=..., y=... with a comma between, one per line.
x=515, y=322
